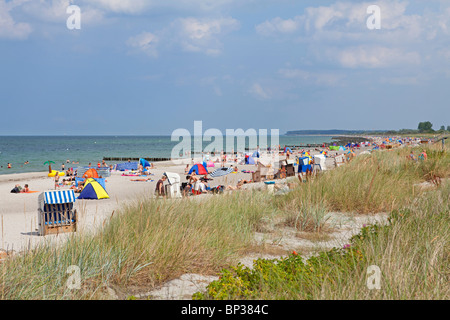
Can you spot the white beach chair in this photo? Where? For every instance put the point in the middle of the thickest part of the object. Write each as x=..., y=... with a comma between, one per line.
x=319, y=161
x=173, y=188
x=55, y=212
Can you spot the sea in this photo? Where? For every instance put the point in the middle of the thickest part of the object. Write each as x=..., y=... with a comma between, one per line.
x=29, y=153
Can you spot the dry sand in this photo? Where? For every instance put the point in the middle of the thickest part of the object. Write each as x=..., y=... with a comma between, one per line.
x=18, y=212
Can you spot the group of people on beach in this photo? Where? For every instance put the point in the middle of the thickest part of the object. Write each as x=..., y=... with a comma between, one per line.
x=422, y=156
x=19, y=189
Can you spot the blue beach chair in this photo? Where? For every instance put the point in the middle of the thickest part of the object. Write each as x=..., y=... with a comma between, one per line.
x=55, y=212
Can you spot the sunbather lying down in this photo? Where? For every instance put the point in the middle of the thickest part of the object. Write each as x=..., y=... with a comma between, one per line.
x=238, y=185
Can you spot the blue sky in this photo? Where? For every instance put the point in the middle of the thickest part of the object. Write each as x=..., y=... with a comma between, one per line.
x=150, y=67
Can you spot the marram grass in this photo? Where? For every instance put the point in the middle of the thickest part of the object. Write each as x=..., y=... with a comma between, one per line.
x=151, y=241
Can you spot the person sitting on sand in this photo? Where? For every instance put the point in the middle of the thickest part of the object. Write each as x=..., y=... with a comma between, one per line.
x=25, y=189
x=81, y=182
x=204, y=184
x=187, y=189
x=159, y=190
x=239, y=185
x=16, y=189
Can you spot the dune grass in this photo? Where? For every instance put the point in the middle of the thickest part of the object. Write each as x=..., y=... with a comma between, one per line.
x=145, y=244
x=412, y=254
x=152, y=241
x=379, y=182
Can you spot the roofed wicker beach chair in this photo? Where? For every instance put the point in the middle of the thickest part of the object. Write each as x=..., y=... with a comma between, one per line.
x=55, y=212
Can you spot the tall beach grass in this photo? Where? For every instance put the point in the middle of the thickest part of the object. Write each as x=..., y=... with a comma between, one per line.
x=151, y=241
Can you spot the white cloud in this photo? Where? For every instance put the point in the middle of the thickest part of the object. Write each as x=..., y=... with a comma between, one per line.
x=121, y=6
x=260, y=93
x=10, y=28
x=140, y=6
x=54, y=11
x=306, y=77
x=203, y=35
x=374, y=57
x=338, y=33
x=278, y=25
x=402, y=80
x=145, y=42
x=191, y=34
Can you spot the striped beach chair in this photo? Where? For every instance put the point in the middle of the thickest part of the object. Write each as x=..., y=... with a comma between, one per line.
x=56, y=213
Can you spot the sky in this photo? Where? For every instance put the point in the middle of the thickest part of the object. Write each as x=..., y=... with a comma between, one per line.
x=137, y=67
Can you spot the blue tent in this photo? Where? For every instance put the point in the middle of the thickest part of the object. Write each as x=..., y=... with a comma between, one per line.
x=93, y=190
x=255, y=154
x=249, y=160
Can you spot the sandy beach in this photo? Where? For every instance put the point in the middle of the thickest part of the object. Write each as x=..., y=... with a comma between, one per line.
x=18, y=212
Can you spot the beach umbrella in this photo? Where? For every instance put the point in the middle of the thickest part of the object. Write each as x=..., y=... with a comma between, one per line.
x=221, y=172
x=49, y=165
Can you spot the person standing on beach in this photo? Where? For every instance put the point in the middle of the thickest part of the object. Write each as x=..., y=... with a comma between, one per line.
x=194, y=181
x=56, y=180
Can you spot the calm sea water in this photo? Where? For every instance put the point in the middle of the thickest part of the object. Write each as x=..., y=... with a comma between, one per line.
x=85, y=149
